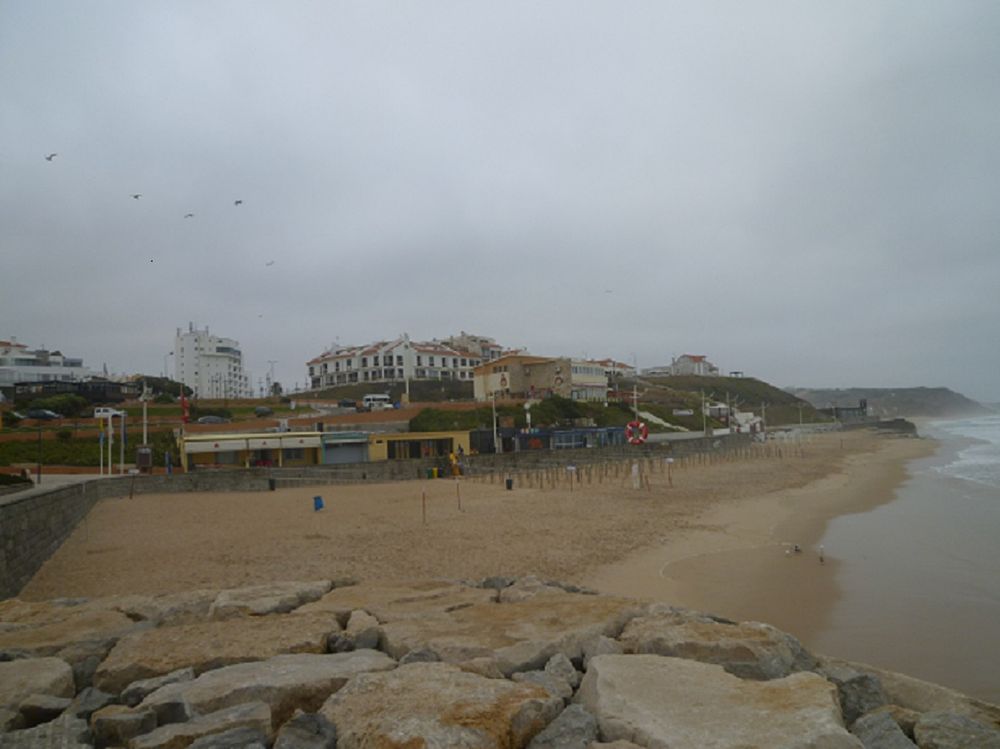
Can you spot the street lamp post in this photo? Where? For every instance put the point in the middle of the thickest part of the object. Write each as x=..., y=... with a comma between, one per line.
x=166, y=373
x=39, y=472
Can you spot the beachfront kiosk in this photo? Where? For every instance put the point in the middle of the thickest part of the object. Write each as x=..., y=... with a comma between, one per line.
x=295, y=449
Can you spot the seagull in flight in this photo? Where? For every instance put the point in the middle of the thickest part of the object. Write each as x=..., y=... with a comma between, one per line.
x=188, y=215
x=269, y=263
x=136, y=195
x=50, y=156
x=237, y=202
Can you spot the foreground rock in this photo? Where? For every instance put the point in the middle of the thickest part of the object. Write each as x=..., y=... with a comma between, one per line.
x=495, y=663
x=273, y=598
x=204, y=646
x=750, y=650
x=255, y=716
x=437, y=704
x=25, y=677
x=658, y=701
x=460, y=625
x=285, y=683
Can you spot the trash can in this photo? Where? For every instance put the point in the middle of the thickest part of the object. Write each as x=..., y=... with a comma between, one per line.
x=271, y=484
x=430, y=473
x=510, y=484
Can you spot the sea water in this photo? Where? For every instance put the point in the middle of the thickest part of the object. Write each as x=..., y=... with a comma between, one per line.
x=920, y=575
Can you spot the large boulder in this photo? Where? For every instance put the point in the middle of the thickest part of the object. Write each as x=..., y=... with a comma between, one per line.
x=877, y=730
x=137, y=691
x=28, y=676
x=245, y=737
x=65, y=732
x=285, y=682
x=860, y=691
x=208, y=645
x=395, y=602
x=307, y=731
x=41, y=708
x=940, y=730
x=270, y=598
x=574, y=728
x=115, y=725
x=166, y=608
x=923, y=696
x=750, y=650
x=45, y=628
x=437, y=704
x=660, y=701
x=519, y=636
x=253, y=715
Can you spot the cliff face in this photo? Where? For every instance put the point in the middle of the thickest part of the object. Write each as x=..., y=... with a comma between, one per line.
x=892, y=402
x=497, y=664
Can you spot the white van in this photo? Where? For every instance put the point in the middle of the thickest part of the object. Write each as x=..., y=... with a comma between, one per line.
x=104, y=412
x=376, y=402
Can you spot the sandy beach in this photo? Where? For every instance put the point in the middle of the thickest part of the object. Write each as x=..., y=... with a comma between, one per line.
x=712, y=539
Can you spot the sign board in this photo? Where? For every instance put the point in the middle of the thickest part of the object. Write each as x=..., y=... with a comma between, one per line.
x=683, y=412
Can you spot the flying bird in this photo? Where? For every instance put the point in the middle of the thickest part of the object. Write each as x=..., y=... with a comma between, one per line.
x=136, y=195
x=237, y=202
x=188, y=215
x=269, y=263
x=51, y=156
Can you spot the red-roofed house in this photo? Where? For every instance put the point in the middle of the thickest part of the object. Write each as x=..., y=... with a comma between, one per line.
x=690, y=364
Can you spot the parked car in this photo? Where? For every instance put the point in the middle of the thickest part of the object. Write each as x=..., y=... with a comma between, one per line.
x=42, y=413
x=346, y=403
x=212, y=420
x=262, y=411
x=103, y=412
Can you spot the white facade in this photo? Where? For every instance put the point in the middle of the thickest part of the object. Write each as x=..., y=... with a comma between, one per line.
x=210, y=365
x=18, y=364
x=390, y=362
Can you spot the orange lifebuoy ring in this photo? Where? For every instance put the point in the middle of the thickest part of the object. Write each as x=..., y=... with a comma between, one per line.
x=558, y=380
x=636, y=432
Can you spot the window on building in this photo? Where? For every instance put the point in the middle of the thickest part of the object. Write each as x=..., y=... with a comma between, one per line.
x=419, y=360
x=399, y=361
x=465, y=362
x=364, y=361
x=430, y=361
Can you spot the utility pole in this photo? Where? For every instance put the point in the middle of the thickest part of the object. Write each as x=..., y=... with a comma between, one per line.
x=704, y=415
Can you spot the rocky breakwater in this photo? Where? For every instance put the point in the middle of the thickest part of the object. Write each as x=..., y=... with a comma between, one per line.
x=496, y=663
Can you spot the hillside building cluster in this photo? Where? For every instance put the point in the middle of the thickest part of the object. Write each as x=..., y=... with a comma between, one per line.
x=212, y=367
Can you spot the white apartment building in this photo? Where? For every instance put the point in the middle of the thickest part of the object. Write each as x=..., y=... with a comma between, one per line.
x=19, y=364
x=210, y=365
x=390, y=362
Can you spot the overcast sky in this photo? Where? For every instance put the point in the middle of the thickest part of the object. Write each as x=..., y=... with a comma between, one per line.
x=805, y=191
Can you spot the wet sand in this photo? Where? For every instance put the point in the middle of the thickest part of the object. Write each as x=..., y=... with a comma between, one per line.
x=603, y=533
x=743, y=565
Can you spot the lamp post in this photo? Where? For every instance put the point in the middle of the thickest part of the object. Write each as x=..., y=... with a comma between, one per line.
x=39, y=472
x=496, y=442
x=166, y=374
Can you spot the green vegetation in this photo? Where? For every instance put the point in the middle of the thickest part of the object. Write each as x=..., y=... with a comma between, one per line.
x=551, y=412
x=198, y=410
x=69, y=406
x=82, y=451
x=742, y=393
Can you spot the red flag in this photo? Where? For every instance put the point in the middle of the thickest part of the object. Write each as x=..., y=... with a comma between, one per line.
x=185, y=414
